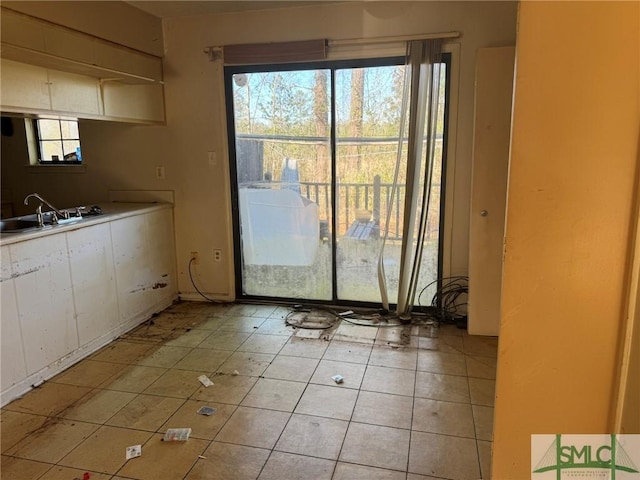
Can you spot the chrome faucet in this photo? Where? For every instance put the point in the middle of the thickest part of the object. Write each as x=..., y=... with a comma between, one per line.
x=39, y=216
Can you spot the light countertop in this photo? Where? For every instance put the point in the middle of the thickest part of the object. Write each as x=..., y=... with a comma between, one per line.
x=110, y=211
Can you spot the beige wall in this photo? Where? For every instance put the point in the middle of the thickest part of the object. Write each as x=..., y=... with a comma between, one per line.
x=124, y=157
x=574, y=162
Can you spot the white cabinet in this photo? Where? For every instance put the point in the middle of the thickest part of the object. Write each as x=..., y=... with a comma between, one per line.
x=74, y=93
x=40, y=268
x=64, y=295
x=56, y=70
x=13, y=362
x=23, y=87
x=94, y=282
x=134, y=102
x=131, y=265
x=36, y=89
x=32, y=40
x=31, y=89
x=124, y=60
x=144, y=261
x=161, y=257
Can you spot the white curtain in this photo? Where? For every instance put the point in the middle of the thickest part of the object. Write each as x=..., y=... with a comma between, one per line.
x=421, y=90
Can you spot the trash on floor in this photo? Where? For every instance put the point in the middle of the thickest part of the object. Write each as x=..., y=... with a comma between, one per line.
x=204, y=380
x=177, y=435
x=338, y=378
x=235, y=373
x=207, y=411
x=133, y=452
x=311, y=320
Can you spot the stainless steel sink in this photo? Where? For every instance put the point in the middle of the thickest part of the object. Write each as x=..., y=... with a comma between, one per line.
x=15, y=225
x=27, y=223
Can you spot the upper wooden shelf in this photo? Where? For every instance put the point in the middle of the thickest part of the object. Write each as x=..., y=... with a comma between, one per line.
x=54, y=62
x=37, y=42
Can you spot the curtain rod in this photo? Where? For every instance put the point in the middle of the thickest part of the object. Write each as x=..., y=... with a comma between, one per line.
x=216, y=52
x=400, y=38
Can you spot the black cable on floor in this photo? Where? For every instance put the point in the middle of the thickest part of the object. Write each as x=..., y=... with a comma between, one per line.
x=197, y=289
x=448, y=301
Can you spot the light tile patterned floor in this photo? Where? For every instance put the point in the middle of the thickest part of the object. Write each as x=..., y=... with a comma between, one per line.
x=414, y=412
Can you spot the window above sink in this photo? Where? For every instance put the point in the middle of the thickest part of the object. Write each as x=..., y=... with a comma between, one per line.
x=53, y=143
x=57, y=141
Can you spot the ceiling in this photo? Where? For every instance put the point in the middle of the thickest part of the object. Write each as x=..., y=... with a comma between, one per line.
x=187, y=8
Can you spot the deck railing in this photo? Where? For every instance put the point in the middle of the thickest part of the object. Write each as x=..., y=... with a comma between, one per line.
x=359, y=201
x=355, y=201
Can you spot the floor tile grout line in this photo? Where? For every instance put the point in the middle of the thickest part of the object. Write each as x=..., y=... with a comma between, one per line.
x=335, y=467
x=475, y=434
x=413, y=407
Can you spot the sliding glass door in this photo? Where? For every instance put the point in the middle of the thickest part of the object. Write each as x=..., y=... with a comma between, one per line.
x=314, y=150
x=283, y=175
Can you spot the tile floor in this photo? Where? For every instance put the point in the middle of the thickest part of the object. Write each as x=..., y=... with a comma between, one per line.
x=418, y=411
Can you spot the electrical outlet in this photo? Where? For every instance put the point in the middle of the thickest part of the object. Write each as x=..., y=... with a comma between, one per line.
x=217, y=255
x=194, y=257
x=160, y=172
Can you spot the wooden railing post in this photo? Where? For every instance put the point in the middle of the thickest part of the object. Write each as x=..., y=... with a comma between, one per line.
x=376, y=205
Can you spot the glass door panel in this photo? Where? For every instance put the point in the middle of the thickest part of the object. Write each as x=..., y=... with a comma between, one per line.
x=430, y=264
x=283, y=165
x=368, y=109
x=368, y=114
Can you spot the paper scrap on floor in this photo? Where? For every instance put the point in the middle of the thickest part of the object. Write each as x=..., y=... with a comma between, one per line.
x=207, y=410
x=206, y=381
x=133, y=451
x=177, y=435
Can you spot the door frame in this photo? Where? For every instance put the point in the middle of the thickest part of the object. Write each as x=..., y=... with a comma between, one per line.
x=449, y=54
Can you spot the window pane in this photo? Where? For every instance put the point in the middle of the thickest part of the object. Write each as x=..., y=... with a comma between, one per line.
x=69, y=147
x=49, y=129
x=60, y=139
x=51, y=148
x=368, y=111
x=69, y=129
x=283, y=163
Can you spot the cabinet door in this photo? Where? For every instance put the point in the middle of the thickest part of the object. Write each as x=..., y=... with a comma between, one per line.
x=132, y=266
x=161, y=255
x=74, y=93
x=134, y=102
x=65, y=43
x=12, y=361
x=94, y=281
x=144, y=263
x=23, y=87
x=21, y=31
x=126, y=60
x=40, y=268
x=491, y=141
